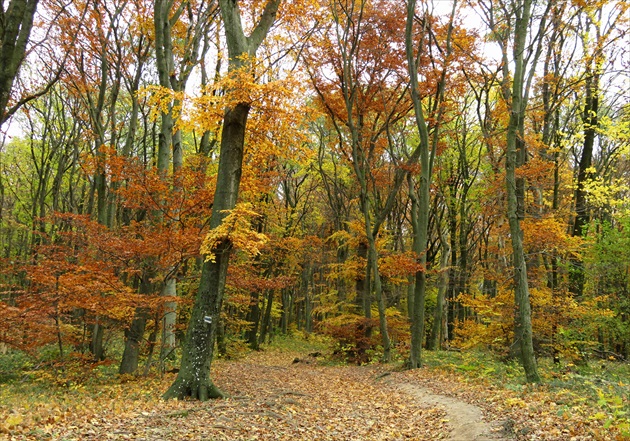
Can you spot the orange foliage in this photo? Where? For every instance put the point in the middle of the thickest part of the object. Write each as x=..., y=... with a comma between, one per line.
x=85, y=271
x=396, y=267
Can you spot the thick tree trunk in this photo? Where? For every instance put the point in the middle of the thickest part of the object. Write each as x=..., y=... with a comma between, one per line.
x=193, y=379
x=194, y=376
x=15, y=30
x=133, y=340
x=135, y=334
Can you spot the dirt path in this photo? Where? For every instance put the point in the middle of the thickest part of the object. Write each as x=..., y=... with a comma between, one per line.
x=368, y=403
x=467, y=421
x=275, y=399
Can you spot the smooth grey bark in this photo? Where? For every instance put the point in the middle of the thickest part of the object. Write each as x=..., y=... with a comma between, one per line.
x=135, y=333
x=133, y=340
x=169, y=317
x=193, y=379
x=16, y=22
x=164, y=58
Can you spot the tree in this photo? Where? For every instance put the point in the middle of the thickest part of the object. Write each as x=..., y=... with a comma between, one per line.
x=173, y=74
x=16, y=22
x=599, y=34
x=516, y=96
x=427, y=150
x=193, y=379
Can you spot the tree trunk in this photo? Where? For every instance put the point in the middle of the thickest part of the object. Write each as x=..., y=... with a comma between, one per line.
x=421, y=200
x=286, y=311
x=362, y=285
x=590, y=122
x=380, y=301
x=265, y=329
x=523, y=320
x=15, y=30
x=437, y=335
x=419, y=222
x=96, y=342
x=133, y=339
x=253, y=317
x=193, y=379
x=134, y=335
x=169, y=317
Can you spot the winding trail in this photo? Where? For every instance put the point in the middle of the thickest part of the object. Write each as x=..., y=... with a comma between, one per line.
x=466, y=420
x=276, y=399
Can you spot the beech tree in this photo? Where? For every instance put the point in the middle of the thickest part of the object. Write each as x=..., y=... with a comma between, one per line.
x=368, y=97
x=16, y=22
x=193, y=378
x=427, y=151
x=526, y=49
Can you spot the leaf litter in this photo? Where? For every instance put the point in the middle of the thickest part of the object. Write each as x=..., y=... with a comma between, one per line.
x=272, y=398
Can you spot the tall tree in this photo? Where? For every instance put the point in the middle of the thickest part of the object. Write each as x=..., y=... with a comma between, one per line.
x=367, y=103
x=16, y=22
x=193, y=379
x=524, y=55
x=173, y=74
x=599, y=33
x=427, y=150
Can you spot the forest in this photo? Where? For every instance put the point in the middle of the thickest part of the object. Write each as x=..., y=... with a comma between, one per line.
x=188, y=182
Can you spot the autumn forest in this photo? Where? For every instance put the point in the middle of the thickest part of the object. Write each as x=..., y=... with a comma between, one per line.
x=184, y=181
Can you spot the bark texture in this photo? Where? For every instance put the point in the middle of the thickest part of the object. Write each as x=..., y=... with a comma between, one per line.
x=193, y=379
x=523, y=325
x=16, y=22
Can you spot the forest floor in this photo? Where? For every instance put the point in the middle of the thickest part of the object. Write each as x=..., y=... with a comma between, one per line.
x=272, y=396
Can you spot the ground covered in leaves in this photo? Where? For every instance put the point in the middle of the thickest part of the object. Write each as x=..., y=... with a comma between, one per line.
x=274, y=398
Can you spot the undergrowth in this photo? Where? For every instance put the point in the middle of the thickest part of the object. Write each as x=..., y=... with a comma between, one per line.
x=600, y=389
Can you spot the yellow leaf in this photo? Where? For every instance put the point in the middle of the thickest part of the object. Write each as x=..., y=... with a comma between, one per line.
x=13, y=420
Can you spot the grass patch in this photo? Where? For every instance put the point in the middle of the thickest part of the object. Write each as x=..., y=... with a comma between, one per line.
x=300, y=342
